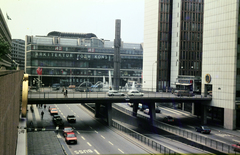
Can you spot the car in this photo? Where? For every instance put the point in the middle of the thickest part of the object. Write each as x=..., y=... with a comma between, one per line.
x=135, y=93
x=58, y=122
x=130, y=104
x=203, y=129
x=157, y=110
x=56, y=86
x=183, y=93
x=55, y=117
x=50, y=107
x=236, y=147
x=71, y=138
x=67, y=130
x=146, y=111
x=71, y=118
x=71, y=86
x=168, y=119
x=54, y=111
x=114, y=93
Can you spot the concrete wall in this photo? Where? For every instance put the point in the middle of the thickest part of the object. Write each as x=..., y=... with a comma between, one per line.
x=10, y=98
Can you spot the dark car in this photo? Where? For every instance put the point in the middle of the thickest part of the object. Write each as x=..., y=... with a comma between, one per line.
x=157, y=110
x=71, y=118
x=71, y=138
x=168, y=119
x=58, y=122
x=55, y=117
x=56, y=86
x=203, y=129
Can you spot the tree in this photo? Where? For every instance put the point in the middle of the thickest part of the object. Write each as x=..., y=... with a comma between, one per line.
x=4, y=48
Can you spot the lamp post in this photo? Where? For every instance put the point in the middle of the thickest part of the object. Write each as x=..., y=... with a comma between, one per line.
x=152, y=73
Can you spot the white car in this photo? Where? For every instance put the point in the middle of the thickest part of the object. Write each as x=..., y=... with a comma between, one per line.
x=135, y=93
x=114, y=93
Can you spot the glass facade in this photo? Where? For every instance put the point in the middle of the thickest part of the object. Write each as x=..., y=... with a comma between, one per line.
x=190, y=57
x=72, y=65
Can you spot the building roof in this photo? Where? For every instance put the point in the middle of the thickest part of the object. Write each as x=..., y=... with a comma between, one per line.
x=71, y=35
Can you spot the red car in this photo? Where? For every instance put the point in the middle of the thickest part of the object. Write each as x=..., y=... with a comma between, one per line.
x=71, y=138
x=236, y=147
x=67, y=130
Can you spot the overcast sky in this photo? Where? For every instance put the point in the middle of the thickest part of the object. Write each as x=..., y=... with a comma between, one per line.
x=38, y=17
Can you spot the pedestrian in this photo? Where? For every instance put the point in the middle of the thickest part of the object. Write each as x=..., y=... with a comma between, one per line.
x=66, y=92
x=57, y=127
x=63, y=90
x=42, y=113
x=45, y=106
x=41, y=105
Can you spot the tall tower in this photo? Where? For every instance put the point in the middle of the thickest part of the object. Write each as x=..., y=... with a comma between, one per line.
x=117, y=58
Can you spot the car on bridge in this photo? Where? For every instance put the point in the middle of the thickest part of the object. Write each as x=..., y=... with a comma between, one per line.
x=56, y=86
x=134, y=93
x=71, y=138
x=71, y=118
x=114, y=93
x=203, y=129
x=236, y=147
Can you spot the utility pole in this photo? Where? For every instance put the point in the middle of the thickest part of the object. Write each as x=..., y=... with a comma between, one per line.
x=117, y=57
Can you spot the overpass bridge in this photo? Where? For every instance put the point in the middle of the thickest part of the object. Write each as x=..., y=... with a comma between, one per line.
x=101, y=98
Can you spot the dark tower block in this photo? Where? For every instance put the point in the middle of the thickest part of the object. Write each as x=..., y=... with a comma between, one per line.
x=117, y=58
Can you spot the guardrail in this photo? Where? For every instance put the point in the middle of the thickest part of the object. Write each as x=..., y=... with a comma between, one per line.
x=196, y=137
x=143, y=139
x=49, y=93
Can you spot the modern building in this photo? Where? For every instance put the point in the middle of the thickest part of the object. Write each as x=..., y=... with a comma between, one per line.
x=221, y=60
x=74, y=58
x=18, y=53
x=5, y=36
x=172, y=44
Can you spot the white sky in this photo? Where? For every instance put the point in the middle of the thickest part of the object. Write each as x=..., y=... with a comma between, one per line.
x=39, y=17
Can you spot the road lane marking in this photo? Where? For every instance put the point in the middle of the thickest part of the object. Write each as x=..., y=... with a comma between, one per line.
x=78, y=132
x=59, y=110
x=96, y=151
x=235, y=140
x=83, y=138
x=90, y=127
x=102, y=137
x=110, y=142
x=89, y=144
x=121, y=151
x=96, y=131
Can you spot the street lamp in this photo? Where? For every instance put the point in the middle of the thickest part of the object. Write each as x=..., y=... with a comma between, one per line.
x=152, y=73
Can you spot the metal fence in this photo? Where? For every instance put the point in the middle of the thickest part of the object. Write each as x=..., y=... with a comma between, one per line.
x=193, y=136
x=143, y=139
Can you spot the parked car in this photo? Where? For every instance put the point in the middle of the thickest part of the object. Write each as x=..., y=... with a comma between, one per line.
x=130, y=104
x=135, y=93
x=56, y=86
x=236, y=147
x=71, y=118
x=168, y=119
x=203, y=129
x=54, y=111
x=71, y=138
x=183, y=93
x=146, y=111
x=67, y=130
x=114, y=93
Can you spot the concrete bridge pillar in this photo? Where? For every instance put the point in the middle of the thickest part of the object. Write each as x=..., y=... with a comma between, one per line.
x=204, y=114
x=109, y=114
x=152, y=111
x=97, y=110
x=135, y=109
x=193, y=109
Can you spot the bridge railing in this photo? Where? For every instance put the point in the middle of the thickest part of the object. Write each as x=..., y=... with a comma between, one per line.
x=193, y=136
x=49, y=93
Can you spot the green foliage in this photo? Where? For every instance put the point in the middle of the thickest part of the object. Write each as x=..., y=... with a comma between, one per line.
x=4, y=48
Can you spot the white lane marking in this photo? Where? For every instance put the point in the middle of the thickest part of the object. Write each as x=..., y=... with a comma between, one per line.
x=175, y=111
x=59, y=110
x=89, y=144
x=96, y=131
x=90, y=127
x=96, y=151
x=102, y=137
x=110, y=142
x=120, y=150
x=83, y=138
x=236, y=140
x=78, y=132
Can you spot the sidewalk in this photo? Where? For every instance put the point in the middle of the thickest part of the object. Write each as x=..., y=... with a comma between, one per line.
x=22, y=137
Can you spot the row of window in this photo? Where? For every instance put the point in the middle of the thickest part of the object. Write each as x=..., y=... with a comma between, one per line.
x=190, y=55
x=191, y=26
x=191, y=36
x=191, y=46
x=195, y=17
x=193, y=6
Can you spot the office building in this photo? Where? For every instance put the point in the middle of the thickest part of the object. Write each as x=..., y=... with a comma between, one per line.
x=221, y=60
x=18, y=53
x=5, y=36
x=74, y=58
